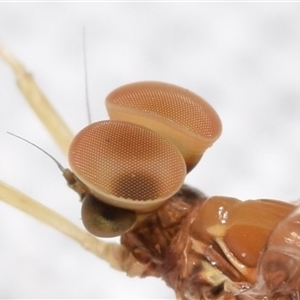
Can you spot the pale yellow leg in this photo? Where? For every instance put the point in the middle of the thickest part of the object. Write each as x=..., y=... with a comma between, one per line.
x=39, y=103
x=106, y=251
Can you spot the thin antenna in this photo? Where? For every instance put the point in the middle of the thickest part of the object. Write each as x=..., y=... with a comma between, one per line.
x=73, y=182
x=86, y=77
x=49, y=155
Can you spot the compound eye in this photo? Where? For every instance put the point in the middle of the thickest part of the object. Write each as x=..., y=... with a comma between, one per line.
x=126, y=165
x=177, y=114
x=104, y=220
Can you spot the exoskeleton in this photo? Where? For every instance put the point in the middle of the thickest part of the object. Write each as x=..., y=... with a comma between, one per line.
x=129, y=172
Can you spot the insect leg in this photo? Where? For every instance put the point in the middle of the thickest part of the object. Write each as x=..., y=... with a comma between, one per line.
x=39, y=103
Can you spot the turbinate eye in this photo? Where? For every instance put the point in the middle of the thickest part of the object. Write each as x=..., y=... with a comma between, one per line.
x=127, y=165
x=177, y=114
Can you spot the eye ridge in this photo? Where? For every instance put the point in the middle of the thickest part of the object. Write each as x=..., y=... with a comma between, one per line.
x=162, y=98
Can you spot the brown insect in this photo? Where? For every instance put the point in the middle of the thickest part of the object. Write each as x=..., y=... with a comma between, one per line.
x=129, y=173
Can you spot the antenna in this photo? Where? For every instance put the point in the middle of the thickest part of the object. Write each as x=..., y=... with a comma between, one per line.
x=86, y=77
x=39, y=148
x=73, y=182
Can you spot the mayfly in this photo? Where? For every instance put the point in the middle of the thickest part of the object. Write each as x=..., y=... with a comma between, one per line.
x=129, y=173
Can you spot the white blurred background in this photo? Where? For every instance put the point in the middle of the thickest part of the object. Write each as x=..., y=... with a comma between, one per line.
x=241, y=57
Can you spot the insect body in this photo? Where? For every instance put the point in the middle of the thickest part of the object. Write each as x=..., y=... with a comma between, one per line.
x=129, y=173
x=210, y=248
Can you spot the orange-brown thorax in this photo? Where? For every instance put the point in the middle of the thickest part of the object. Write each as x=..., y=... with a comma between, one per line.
x=191, y=237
